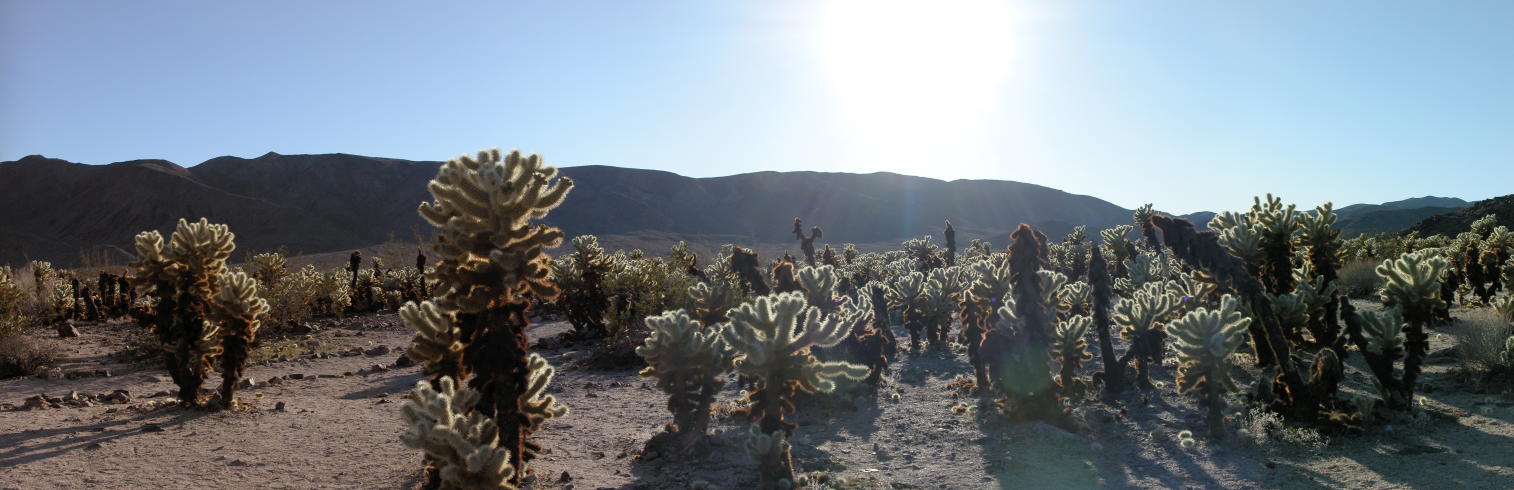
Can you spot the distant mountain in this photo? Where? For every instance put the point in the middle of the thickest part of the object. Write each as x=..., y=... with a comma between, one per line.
x=1411, y=203
x=1453, y=223
x=57, y=210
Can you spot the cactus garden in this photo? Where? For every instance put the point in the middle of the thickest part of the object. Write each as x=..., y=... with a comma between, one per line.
x=770, y=245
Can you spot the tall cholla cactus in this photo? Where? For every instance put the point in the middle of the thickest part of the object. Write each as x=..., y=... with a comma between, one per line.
x=490, y=260
x=988, y=292
x=1140, y=318
x=239, y=311
x=1322, y=240
x=769, y=350
x=184, y=278
x=1142, y=219
x=687, y=360
x=1204, y=340
x=1413, y=285
x=807, y=243
x=463, y=442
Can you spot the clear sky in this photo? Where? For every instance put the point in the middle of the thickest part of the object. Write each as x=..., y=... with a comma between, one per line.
x=1189, y=105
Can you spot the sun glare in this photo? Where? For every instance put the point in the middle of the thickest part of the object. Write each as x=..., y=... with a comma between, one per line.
x=915, y=82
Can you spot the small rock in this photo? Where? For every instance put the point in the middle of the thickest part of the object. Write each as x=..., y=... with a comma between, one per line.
x=275, y=381
x=104, y=373
x=404, y=361
x=327, y=376
x=1419, y=449
x=248, y=382
x=67, y=330
x=565, y=477
x=237, y=462
x=378, y=368
x=35, y=402
x=377, y=351
x=152, y=428
x=278, y=407
x=297, y=376
x=121, y=396
x=92, y=446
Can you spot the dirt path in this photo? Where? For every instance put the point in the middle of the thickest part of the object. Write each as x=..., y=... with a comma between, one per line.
x=339, y=428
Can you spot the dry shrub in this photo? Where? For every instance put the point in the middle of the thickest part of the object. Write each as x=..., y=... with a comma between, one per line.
x=1359, y=279
x=1482, y=342
x=21, y=355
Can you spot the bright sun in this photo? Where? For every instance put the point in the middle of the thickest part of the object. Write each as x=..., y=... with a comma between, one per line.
x=915, y=82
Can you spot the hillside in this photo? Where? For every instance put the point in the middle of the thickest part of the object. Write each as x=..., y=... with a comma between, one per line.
x=1457, y=222
x=336, y=202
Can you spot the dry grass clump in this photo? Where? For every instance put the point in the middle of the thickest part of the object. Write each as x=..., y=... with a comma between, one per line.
x=1358, y=279
x=21, y=355
x=1482, y=346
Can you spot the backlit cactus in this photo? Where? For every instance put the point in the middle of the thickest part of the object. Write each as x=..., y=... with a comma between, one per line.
x=490, y=262
x=770, y=350
x=1413, y=286
x=184, y=276
x=687, y=360
x=806, y=243
x=1204, y=339
x=463, y=443
x=239, y=311
x=581, y=277
x=908, y=295
x=1070, y=349
x=1140, y=318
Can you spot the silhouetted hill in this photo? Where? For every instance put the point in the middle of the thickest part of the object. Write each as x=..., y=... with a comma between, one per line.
x=1451, y=224
x=1411, y=203
x=325, y=203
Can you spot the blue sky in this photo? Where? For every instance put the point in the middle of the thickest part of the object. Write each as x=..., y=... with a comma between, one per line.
x=1189, y=105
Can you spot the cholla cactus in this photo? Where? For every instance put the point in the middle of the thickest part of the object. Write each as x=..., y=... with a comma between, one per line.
x=184, y=277
x=1275, y=226
x=463, y=443
x=1192, y=291
x=1142, y=219
x=1117, y=244
x=239, y=311
x=269, y=267
x=951, y=243
x=925, y=254
x=1413, y=285
x=1070, y=349
x=1140, y=318
x=1204, y=340
x=687, y=360
x=489, y=259
x=988, y=292
x=908, y=294
x=769, y=350
x=1072, y=298
x=943, y=289
x=806, y=243
x=744, y=263
x=709, y=301
x=581, y=277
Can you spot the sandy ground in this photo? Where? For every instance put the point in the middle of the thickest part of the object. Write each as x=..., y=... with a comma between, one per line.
x=339, y=428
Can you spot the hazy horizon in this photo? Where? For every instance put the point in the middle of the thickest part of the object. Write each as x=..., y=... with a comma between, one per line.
x=1126, y=103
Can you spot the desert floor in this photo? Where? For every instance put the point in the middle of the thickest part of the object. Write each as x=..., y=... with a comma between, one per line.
x=341, y=392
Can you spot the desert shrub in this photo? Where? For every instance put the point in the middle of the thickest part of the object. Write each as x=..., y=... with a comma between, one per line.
x=1359, y=279
x=1266, y=428
x=21, y=355
x=14, y=312
x=1487, y=341
x=638, y=287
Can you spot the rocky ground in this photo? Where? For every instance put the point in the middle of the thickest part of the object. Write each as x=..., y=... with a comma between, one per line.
x=322, y=411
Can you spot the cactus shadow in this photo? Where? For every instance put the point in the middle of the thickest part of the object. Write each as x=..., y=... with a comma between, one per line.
x=391, y=386
x=98, y=433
